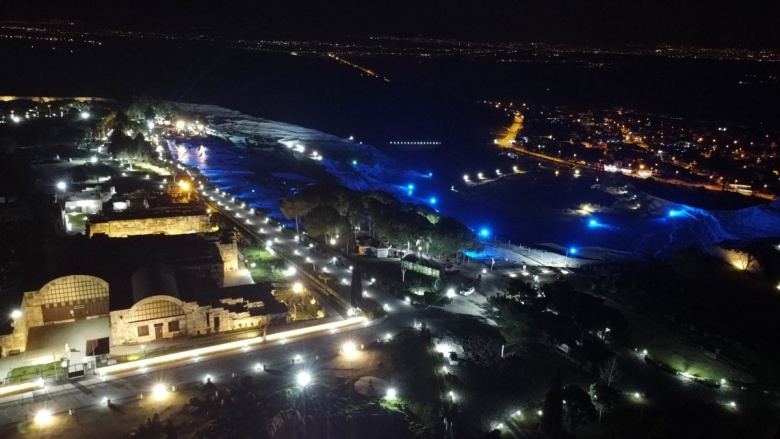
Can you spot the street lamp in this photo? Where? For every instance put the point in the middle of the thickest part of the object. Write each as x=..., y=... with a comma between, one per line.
x=61, y=185
x=303, y=379
x=297, y=288
x=349, y=349
x=159, y=392
x=43, y=417
x=391, y=394
x=16, y=314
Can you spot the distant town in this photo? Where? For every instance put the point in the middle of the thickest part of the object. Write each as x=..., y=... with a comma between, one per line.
x=726, y=158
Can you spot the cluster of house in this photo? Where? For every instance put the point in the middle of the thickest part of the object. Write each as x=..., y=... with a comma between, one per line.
x=149, y=274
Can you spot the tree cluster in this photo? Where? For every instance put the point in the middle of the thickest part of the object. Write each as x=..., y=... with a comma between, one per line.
x=154, y=428
x=329, y=210
x=522, y=317
x=146, y=108
x=124, y=147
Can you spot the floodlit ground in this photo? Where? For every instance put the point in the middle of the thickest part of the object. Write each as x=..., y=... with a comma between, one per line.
x=248, y=404
x=116, y=421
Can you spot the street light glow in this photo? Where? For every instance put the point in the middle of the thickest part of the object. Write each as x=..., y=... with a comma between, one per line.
x=159, y=392
x=43, y=417
x=303, y=378
x=451, y=293
x=85, y=115
x=297, y=288
x=16, y=314
x=349, y=349
x=391, y=394
x=61, y=185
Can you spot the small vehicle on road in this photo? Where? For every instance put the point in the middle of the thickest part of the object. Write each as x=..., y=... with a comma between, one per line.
x=467, y=291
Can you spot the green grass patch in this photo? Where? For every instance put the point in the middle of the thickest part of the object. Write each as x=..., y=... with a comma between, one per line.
x=26, y=373
x=685, y=356
x=257, y=254
x=267, y=267
x=78, y=220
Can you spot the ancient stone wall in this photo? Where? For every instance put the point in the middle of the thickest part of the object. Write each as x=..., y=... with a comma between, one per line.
x=229, y=253
x=176, y=225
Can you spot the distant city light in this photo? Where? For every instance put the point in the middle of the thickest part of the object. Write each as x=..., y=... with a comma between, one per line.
x=85, y=115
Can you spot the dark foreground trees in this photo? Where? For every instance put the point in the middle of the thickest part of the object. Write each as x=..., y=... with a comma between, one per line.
x=328, y=209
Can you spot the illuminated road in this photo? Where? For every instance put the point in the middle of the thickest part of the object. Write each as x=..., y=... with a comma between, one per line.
x=92, y=390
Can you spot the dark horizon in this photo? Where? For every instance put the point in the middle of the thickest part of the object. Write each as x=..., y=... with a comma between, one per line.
x=687, y=22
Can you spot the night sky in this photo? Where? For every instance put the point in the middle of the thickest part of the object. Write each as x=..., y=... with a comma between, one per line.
x=606, y=22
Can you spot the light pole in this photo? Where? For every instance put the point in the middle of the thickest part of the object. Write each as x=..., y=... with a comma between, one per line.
x=64, y=366
x=143, y=346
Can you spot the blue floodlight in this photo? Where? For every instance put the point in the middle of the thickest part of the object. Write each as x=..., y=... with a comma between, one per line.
x=572, y=250
x=433, y=200
x=430, y=175
x=673, y=213
x=484, y=232
x=354, y=162
x=410, y=187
